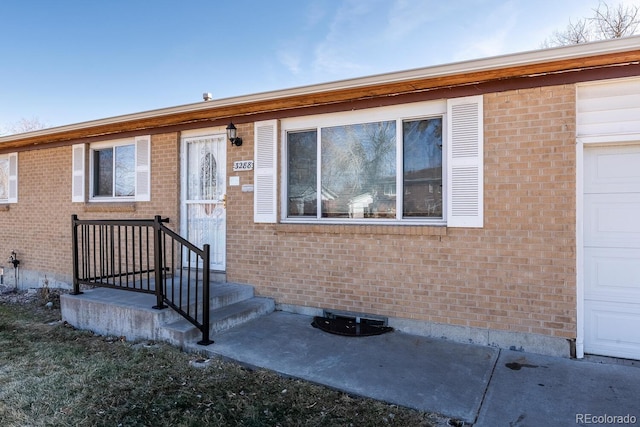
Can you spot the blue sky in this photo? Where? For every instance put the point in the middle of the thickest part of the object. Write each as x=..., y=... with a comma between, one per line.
x=69, y=61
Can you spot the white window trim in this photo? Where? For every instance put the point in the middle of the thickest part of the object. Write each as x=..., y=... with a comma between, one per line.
x=398, y=114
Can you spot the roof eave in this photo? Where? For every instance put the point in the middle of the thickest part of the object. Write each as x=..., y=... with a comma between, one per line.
x=559, y=59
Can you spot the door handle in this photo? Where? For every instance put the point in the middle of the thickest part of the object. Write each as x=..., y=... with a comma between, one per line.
x=224, y=201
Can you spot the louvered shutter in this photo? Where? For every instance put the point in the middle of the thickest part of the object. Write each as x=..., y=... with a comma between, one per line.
x=265, y=172
x=77, y=179
x=143, y=169
x=13, y=178
x=464, y=162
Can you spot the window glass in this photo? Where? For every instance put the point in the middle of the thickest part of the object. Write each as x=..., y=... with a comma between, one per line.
x=103, y=172
x=356, y=171
x=422, y=171
x=125, y=171
x=4, y=179
x=114, y=171
x=302, y=173
x=358, y=166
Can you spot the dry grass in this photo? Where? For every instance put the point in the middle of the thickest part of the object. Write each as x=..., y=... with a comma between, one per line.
x=51, y=374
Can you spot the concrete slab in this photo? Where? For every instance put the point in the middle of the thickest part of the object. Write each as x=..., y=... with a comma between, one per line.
x=479, y=385
x=425, y=374
x=533, y=390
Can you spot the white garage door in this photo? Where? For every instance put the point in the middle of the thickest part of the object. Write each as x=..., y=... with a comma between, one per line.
x=612, y=251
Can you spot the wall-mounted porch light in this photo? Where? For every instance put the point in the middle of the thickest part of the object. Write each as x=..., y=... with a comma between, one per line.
x=232, y=133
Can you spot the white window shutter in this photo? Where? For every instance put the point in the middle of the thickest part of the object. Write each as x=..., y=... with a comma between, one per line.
x=13, y=178
x=143, y=168
x=465, y=162
x=77, y=179
x=265, y=195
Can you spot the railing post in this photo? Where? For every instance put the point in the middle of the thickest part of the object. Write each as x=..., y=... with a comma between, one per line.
x=206, y=303
x=157, y=257
x=74, y=254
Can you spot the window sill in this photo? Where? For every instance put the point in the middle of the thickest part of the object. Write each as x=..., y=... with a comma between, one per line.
x=376, y=229
x=109, y=207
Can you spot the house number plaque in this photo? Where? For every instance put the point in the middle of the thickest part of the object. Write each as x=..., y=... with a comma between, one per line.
x=243, y=165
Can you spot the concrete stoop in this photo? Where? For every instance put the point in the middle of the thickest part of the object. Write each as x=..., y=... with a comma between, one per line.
x=129, y=314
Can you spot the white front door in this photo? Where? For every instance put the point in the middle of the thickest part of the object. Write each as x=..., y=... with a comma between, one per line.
x=612, y=251
x=204, y=194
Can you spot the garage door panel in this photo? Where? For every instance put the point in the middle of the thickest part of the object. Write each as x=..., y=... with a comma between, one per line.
x=613, y=329
x=612, y=274
x=612, y=220
x=612, y=169
x=611, y=233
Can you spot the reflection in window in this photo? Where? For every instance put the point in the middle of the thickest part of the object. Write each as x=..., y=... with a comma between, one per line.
x=125, y=171
x=422, y=171
x=302, y=170
x=358, y=164
x=114, y=174
x=358, y=173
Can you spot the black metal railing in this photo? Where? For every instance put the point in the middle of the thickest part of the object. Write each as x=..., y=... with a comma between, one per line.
x=144, y=255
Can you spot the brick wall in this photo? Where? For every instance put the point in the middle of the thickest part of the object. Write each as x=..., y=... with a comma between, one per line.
x=515, y=274
x=38, y=227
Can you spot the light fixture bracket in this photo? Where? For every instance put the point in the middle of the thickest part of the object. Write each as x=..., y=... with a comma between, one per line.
x=232, y=135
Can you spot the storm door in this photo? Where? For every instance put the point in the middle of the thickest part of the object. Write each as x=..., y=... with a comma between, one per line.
x=204, y=194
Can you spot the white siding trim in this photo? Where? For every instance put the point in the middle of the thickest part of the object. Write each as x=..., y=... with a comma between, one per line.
x=78, y=169
x=608, y=111
x=464, y=162
x=265, y=196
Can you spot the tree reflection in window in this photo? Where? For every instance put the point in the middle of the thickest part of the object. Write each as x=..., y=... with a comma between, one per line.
x=359, y=173
x=114, y=173
x=302, y=172
x=358, y=167
x=422, y=171
x=125, y=171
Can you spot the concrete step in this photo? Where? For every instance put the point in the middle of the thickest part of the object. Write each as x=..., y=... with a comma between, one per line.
x=236, y=314
x=181, y=332
x=220, y=295
x=124, y=313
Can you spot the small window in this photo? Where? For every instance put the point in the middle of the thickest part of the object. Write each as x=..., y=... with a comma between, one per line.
x=117, y=170
x=114, y=171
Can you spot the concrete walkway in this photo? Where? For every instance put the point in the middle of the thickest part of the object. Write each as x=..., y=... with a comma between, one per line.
x=483, y=386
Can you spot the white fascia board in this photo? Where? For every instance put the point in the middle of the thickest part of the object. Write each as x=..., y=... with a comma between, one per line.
x=464, y=67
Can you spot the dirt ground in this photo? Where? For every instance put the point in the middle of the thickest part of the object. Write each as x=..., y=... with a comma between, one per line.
x=42, y=296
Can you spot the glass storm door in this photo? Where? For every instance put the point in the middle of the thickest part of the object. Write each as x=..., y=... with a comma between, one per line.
x=204, y=194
